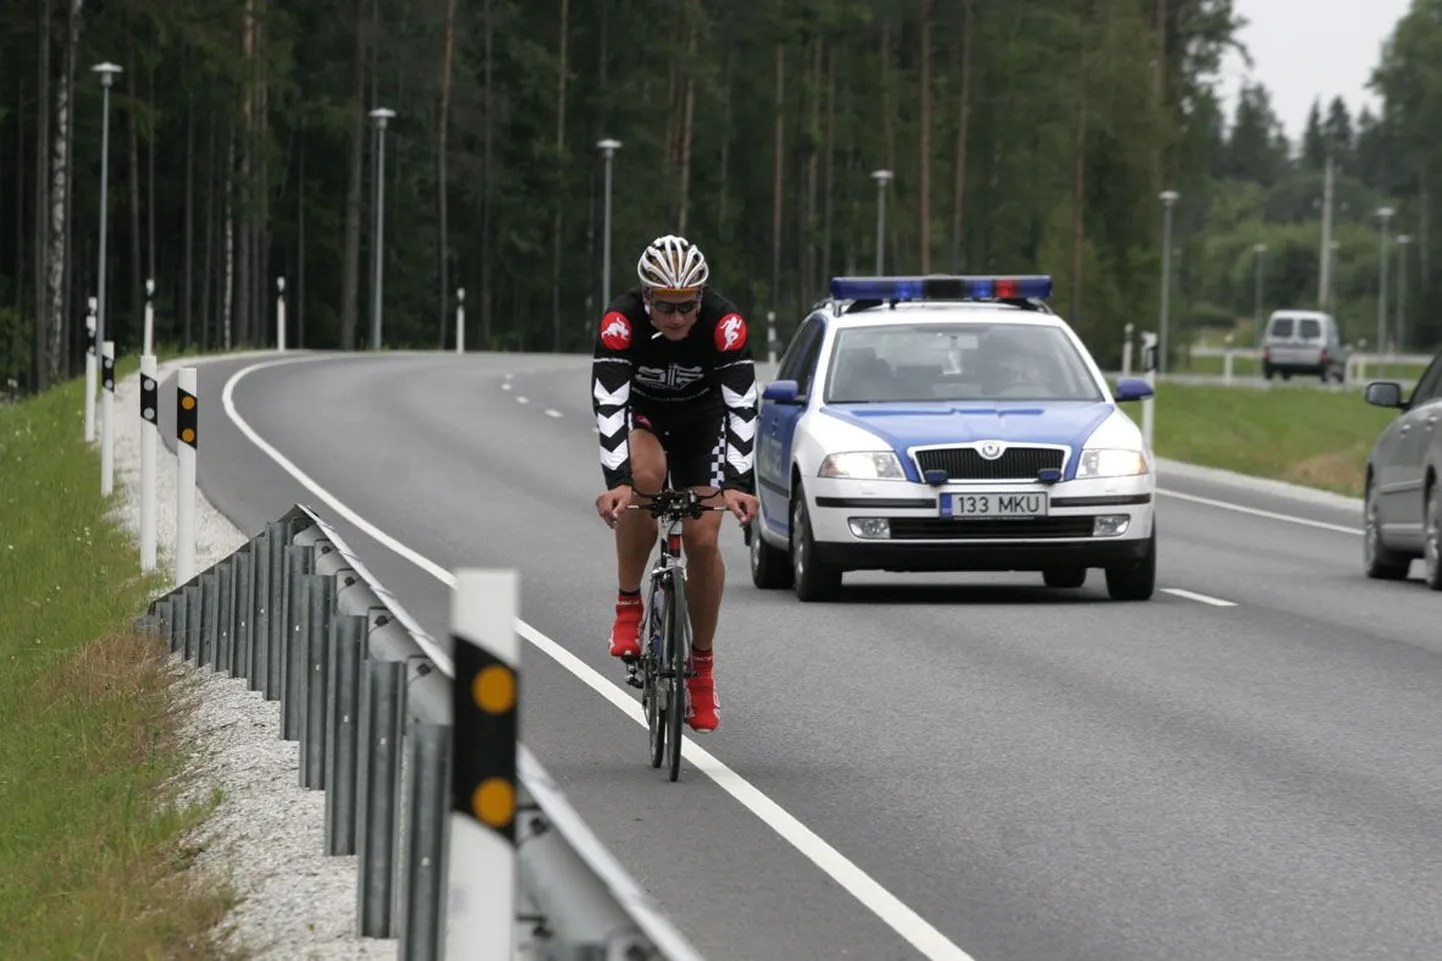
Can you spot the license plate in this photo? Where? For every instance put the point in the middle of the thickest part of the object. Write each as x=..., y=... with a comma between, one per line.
x=994, y=506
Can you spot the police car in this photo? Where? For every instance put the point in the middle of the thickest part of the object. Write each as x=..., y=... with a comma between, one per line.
x=948, y=423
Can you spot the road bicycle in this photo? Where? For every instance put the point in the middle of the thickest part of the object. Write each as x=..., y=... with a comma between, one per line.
x=660, y=671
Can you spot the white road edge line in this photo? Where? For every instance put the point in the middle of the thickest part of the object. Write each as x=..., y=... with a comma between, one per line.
x=900, y=918
x=1201, y=598
x=1258, y=512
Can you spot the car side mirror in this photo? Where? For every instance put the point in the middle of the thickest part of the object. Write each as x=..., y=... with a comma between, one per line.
x=1385, y=393
x=1133, y=388
x=783, y=392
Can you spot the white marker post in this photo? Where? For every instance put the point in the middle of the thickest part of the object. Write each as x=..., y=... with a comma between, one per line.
x=280, y=315
x=1149, y=368
x=149, y=318
x=187, y=435
x=90, y=371
x=107, y=418
x=460, y=320
x=149, y=434
x=770, y=336
x=1127, y=351
x=482, y=856
x=1227, y=363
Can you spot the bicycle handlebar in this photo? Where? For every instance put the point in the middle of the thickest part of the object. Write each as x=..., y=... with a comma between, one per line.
x=673, y=503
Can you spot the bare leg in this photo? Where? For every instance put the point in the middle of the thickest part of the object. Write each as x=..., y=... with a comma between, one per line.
x=636, y=530
x=705, y=573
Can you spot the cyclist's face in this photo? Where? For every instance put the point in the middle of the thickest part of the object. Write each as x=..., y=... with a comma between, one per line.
x=674, y=313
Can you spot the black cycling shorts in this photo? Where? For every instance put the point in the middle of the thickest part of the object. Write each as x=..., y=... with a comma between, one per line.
x=694, y=443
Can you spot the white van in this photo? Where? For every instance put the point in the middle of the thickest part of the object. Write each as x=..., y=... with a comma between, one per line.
x=1303, y=342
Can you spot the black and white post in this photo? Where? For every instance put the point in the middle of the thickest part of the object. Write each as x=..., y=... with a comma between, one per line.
x=280, y=314
x=107, y=418
x=149, y=434
x=187, y=433
x=380, y=115
x=90, y=373
x=482, y=850
x=1149, y=370
x=460, y=320
x=149, y=318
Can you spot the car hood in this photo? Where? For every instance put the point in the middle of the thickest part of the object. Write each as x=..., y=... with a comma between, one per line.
x=947, y=422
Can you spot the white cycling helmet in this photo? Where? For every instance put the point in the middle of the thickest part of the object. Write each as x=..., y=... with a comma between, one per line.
x=672, y=263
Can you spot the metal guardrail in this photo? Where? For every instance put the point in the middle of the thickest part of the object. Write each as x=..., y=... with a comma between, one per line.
x=369, y=696
x=1368, y=358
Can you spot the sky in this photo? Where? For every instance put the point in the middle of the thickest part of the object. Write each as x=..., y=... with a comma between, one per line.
x=1303, y=49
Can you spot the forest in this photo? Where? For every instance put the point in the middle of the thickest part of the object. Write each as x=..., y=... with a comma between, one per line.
x=1024, y=136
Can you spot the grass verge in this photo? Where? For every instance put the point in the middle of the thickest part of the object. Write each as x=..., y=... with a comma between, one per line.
x=93, y=838
x=1312, y=437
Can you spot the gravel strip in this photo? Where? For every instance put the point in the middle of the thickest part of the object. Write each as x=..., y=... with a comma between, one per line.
x=267, y=835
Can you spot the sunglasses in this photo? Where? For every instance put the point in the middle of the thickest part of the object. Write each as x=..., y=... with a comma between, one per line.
x=668, y=307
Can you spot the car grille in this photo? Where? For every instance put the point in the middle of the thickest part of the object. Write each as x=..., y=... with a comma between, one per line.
x=942, y=528
x=964, y=463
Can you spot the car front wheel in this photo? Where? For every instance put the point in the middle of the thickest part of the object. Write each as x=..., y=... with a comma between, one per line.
x=1135, y=582
x=814, y=581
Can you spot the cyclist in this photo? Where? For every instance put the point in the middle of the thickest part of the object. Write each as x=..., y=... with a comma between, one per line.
x=673, y=382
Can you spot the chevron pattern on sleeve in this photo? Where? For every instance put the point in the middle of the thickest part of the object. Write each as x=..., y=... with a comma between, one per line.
x=738, y=390
x=610, y=400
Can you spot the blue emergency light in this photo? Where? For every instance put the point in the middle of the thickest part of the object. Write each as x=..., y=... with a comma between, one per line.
x=942, y=287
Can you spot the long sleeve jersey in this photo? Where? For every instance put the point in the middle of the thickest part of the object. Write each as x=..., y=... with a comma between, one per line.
x=711, y=371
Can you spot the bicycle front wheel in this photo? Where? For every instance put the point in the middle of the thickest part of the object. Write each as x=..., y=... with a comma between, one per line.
x=652, y=691
x=678, y=648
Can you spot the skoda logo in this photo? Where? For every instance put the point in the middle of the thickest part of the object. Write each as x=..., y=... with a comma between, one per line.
x=990, y=450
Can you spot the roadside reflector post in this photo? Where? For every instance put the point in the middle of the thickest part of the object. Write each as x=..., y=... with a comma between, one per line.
x=149, y=345
x=1127, y=350
x=481, y=854
x=90, y=372
x=280, y=315
x=149, y=434
x=460, y=320
x=770, y=336
x=1149, y=369
x=1227, y=363
x=187, y=435
x=107, y=418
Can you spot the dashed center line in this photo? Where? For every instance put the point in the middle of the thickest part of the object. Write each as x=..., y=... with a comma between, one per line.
x=523, y=400
x=1200, y=598
x=551, y=412
x=506, y=385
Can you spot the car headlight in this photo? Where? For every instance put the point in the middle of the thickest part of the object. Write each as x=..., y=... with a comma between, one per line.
x=863, y=465
x=1111, y=462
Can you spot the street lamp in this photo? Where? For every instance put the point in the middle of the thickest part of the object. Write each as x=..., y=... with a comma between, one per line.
x=1168, y=198
x=1386, y=214
x=1331, y=303
x=380, y=115
x=882, y=177
x=107, y=73
x=1402, y=241
x=609, y=147
x=1259, y=250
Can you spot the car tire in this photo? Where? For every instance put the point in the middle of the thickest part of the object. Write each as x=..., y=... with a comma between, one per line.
x=770, y=568
x=1432, y=539
x=1064, y=576
x=813, y=581
x=1138, y=581
x=1379, y=562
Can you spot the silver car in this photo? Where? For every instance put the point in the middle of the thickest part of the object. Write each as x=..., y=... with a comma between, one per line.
x=1303, y=342
x=1403, y=498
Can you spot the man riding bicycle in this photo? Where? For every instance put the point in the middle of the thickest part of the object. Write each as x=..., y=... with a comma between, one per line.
x=673, y=382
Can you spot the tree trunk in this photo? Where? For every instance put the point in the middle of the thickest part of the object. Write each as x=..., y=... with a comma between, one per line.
x=70, y=273
x=1079, y=171
x=830, y=163
x=207, y=274
x=442, y=185
x=39, y=363
x=228, y=221
x=924, y=203
x=726, y=137
x=137, y=252
x=958, y=196
x=776, y=185
x=186, y=298
x=300, y=249
x=350, y=266
x=562, y=69
x=487, y=167
x=152, y=270
x=59, y=210
x=813, y=158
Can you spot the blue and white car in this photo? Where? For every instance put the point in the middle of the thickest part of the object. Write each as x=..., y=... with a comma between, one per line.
x=948, y=424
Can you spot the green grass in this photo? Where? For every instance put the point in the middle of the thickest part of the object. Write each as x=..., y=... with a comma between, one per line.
x=1312, y=437
x=93, y=845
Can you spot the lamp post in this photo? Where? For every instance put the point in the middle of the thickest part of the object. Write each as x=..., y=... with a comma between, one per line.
x=609, y=148
x=380, y=115
x=1168, y=198
x=882, y=178
x=1402, y=241
x=1386, y=214
x=1259, y=250
x=107, y=73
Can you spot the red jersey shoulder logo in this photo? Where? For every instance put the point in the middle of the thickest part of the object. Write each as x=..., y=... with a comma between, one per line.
x=731, y=333
x=616, y=331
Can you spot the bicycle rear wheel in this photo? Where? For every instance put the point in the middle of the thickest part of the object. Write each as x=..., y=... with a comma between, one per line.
x=678, y=636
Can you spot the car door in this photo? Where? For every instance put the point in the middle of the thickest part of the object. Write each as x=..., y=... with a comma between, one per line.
x=772, y=459
x=1417, y=430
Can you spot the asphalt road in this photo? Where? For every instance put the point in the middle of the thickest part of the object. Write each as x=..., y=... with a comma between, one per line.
x=1248, y=769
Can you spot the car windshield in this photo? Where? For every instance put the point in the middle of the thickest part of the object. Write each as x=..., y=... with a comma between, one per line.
x=908, y=363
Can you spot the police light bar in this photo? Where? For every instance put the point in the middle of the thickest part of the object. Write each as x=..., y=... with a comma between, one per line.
x=941, y=288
